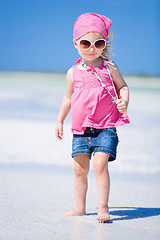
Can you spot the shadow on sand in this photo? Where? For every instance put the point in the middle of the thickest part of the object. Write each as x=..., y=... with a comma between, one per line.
x=129, y=213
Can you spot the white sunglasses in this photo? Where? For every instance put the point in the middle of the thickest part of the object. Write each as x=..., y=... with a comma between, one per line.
x=84, y=44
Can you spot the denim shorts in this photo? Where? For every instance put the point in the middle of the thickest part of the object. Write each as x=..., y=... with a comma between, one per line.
x=96, y=140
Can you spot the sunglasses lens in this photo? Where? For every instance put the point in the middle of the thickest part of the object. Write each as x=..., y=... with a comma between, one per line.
x=84, y=44
x=100, y=44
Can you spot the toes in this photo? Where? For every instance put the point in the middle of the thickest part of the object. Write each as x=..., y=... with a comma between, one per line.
x=103, y=218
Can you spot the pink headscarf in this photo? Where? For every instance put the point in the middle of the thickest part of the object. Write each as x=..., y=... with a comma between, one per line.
x=91, y=22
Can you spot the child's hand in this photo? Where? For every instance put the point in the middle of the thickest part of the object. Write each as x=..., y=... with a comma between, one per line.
x=121, y=105
x=59, y=131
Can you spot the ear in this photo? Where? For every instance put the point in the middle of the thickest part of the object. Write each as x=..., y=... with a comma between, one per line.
x=75, y=45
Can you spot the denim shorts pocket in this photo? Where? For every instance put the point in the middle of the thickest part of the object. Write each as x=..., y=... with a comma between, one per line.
x=113, y=130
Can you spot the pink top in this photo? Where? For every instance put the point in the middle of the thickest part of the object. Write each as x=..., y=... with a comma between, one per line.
x=91, y=103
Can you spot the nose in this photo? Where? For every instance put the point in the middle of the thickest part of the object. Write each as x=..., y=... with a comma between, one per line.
x=92, y=47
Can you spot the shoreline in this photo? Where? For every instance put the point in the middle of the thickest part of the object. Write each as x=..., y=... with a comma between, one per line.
x=50, y=79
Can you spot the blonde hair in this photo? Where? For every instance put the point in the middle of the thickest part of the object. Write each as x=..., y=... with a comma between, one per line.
x=106, y=51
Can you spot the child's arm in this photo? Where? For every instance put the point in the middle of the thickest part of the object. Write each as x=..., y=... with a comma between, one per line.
x=122, y=89
x=65, y=105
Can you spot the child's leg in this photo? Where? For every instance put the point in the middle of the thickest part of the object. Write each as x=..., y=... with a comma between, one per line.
x=100, y=167
x=81, y=168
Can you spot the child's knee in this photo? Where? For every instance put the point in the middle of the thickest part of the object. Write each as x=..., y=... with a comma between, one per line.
x=99, y=165
x=81, y=165
x=98, y=168
x=80, y=170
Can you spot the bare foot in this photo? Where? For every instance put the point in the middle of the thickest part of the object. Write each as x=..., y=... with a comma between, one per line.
x=75, y=212
x=103, y=215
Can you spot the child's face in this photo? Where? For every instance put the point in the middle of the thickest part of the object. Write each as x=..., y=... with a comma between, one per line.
x=92, y=53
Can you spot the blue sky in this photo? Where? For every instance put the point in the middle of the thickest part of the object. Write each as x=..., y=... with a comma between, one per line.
x=36, y=35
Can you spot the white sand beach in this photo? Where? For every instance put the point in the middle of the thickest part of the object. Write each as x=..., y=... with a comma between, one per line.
x=36, y=170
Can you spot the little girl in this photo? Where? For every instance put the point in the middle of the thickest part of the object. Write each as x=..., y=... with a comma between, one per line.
x=98, y=96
